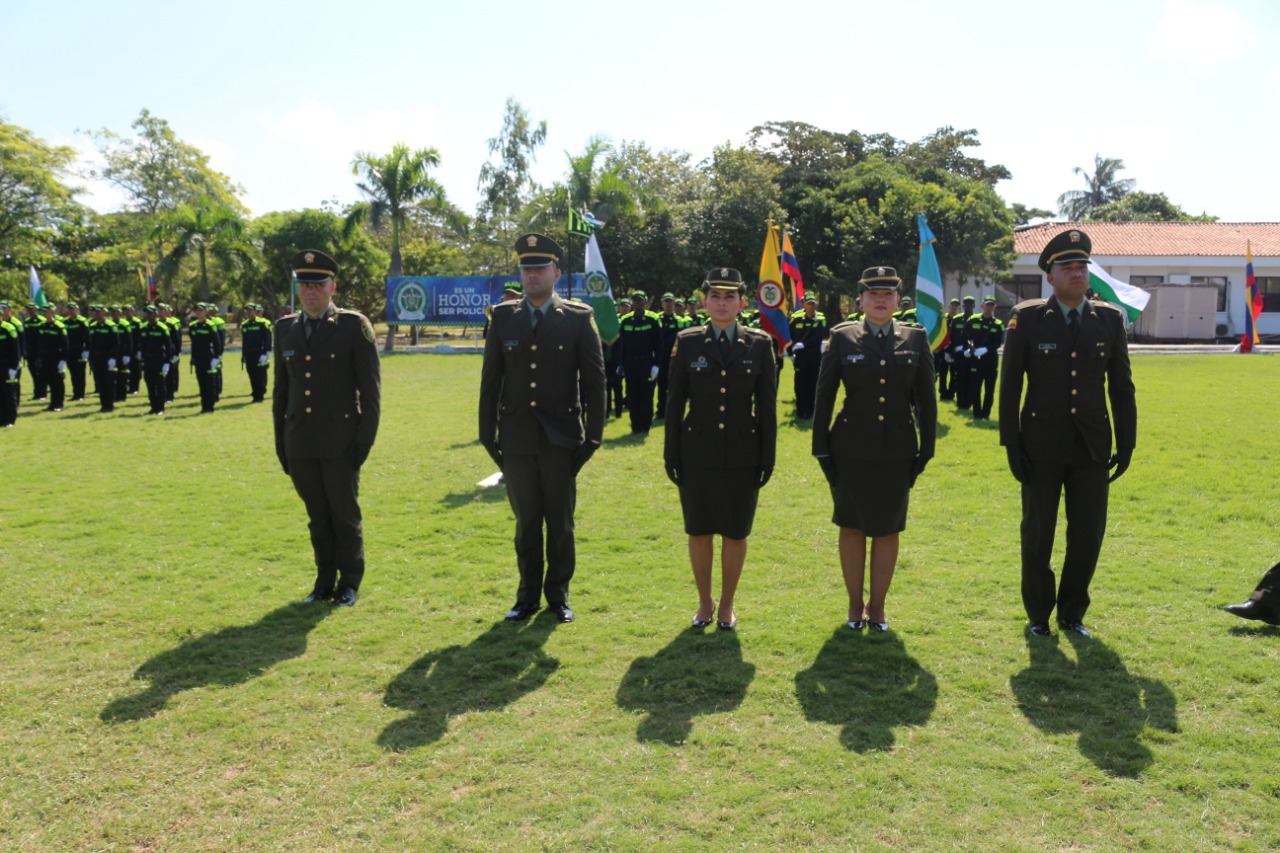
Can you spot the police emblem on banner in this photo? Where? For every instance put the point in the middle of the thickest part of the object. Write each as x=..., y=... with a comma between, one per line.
x=411, y=302
x=597, y=284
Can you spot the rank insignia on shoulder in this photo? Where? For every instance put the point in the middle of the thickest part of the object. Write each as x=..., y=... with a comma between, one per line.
x=367, y=328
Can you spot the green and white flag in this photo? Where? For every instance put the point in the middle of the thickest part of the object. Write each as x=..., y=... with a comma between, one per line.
x=1126, y=296
x=600, y=293
x=37, y=292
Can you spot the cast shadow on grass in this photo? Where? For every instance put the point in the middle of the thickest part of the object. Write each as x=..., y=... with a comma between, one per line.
x=695, y=674
x=230, y=656
x=1097, y=697
x=868, y=684
x=480, y=494
x=496, y=669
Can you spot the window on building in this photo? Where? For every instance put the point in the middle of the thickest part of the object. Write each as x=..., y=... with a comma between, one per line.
x=1269, y=287
x=1021, y=288
x=1146, y=280
x=1218, y=281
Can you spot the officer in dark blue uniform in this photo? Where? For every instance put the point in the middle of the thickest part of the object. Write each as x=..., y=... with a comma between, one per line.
x=206, y=357
x=640, y=337
x=943, y=360
x=672, y=323
x=155, y=348
x=961, y=354
x=52, y=353
x=808, y=330
x=255, y=334
x=104, y=357
x=78, y=344
x=986, y=333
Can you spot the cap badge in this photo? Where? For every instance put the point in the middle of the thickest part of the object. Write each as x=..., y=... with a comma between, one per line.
x=724, y=273
x=532, y=241
x=879, y=270
x=309, y=257
x=1075, y=236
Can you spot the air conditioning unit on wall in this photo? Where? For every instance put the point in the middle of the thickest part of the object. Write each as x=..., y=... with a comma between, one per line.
x=1221, y=330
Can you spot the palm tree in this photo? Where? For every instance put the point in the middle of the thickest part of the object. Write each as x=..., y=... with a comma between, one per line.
x=602, y=189
x=393, y=185
x=1104, y=188
x=203, y=230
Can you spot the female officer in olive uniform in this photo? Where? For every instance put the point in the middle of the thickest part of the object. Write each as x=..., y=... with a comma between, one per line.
x=721, y=451
x=881, y=440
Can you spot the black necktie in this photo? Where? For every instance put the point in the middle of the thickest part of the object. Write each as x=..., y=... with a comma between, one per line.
x=307, y=326
x=723, y=341
x=537, y=318
x=1073, y=325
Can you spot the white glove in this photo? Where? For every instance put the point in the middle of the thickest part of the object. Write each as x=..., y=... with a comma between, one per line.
x=948, y=357
x=84, y=355
x=653, y=373
x=13, y=374
x=164, y=370
x=173, y=360
x=797, y=346
x=263, y=359
x=823, y=347
x=125, y=359
x=980, y=352
x=213, y=365
x=968, y=353
x=62, y=367
x=111, y=364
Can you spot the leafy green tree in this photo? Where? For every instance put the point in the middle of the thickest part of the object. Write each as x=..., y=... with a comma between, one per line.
x=506, y=186
x=1144, y=207
x=203, y=231
x=34, y=199
x=1104, y=187
x=281, y=235
x=727, y=226
x=159, y=171
x=1022, y=215
x=393, y=185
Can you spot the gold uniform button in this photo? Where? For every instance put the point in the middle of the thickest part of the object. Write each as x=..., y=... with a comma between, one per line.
x=533, y=384
x=1073, y=410
x=724, y=390
x=880, y=417
x=1074, y=392
x=308, y=410
x=533, y=404
x=722, y=408
x=534, y=348
x=883, y=362
x=1073, y=373
x=533, y=367
x=308, y=358
x=307, y=393
x=560, y=347
x=721, y=426
x=882, y=381
x=724, y=373
x=308, y=375
x=882, y=399
x=1073, y=355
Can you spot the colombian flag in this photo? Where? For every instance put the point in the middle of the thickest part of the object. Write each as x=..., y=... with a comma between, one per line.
x=770, y=296
x=791, y=267
x=1253, y=306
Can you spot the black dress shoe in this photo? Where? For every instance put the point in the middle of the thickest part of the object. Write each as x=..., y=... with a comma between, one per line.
x=561, y=611
x=1253, y=610
x=318, y=594
x=1040, y=629
x=520, y=612
x=1075, y=628
x=344, y=597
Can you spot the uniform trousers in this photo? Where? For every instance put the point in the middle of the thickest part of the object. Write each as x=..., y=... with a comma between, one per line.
x=39, y=388
x=171, y=386
x=54, y=381
x=104, y=384
x=135, y=373
x=984, y=383
x=664, y=384
x=156, y=385
x=257, y=380
x=806, y=381
x=208, y=381
x=330, y=490
x=1084, y=481
x=8, y=405
x=640, y=397
x=542, y=491
x=76, y=368
x=942, y=369
x=122, y=381
x=962, y=380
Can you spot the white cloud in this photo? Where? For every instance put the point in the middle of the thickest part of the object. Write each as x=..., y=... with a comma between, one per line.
x=1201, y=33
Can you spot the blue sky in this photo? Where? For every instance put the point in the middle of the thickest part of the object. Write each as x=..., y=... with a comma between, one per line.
x=281, y=95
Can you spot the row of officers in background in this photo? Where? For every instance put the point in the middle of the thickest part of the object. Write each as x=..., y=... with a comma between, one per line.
x=638, y=365
x=120, y=349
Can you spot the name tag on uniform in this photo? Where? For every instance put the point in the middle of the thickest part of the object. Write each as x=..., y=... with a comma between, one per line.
x=1048, y=346
x=288, y=353
x=699, y=364
x=855, y=357
x=510, y=344
x=746, y=362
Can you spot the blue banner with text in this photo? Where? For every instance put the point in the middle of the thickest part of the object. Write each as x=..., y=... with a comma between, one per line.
x=455, y=300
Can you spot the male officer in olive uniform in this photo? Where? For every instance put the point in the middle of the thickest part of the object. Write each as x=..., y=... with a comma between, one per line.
x=543, y=370
x=255, y=350
x=78, y=345
x=104, y=356
x=640, y=338
x=326, y=404
x=986, y=333
x=808, y=330
x=1074, y=358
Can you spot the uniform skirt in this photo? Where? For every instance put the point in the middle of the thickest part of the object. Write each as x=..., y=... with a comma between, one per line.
x=871, y=496
x=719, y=500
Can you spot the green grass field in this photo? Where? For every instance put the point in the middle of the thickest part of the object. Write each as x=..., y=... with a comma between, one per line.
x=160, y=689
